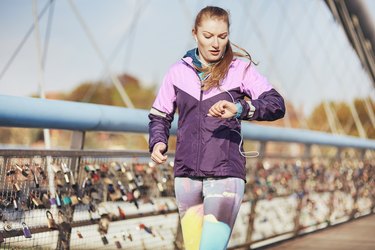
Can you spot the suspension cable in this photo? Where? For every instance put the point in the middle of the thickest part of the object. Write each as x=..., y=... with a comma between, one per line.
x=115, y=80
x=19, y=47
x=127, y=33
x=48, y=34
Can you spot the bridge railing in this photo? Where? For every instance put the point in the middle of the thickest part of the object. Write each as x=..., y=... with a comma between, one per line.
x=116, y=199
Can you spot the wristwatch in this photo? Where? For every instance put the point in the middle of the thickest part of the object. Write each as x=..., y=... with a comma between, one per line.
x=251, y=111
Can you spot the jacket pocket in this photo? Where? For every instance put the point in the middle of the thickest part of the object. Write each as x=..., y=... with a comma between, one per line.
x=215, y=142
x=186, y=147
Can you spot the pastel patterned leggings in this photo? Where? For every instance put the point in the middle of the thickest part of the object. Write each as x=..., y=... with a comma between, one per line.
x=208, y=208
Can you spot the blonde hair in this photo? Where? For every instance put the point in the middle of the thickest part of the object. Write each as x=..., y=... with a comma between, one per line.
x=213, y=74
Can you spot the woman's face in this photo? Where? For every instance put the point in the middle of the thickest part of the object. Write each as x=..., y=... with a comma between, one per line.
x=212, y=37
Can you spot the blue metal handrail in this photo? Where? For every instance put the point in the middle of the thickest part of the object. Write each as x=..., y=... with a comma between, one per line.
x=41, y=113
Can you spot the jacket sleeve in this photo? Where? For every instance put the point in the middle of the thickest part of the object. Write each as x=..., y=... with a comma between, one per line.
x=265, y=104
x=161, y=113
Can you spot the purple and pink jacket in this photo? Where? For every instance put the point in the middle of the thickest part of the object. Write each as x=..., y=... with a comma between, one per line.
x=208, y=146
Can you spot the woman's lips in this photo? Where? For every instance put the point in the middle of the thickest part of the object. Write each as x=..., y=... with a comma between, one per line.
x=215, y=52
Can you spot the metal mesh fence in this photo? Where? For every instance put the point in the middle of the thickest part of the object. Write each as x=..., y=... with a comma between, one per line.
x=110, y=202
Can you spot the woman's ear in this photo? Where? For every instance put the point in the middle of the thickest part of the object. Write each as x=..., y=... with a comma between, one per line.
x=194, y=33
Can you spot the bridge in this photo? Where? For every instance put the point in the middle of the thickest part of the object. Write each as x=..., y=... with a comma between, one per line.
x=307, y=189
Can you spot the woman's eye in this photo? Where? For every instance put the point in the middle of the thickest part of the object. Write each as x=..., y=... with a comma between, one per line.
x=207, y=37
x=223, y=37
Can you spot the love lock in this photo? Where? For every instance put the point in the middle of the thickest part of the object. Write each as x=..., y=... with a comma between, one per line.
x=51, y=222
x=7, y=226
x=26, y=230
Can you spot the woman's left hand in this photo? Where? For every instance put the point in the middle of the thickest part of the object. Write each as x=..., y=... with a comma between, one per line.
x=223, y=109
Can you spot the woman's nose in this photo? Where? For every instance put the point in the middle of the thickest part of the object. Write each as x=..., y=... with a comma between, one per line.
x=215, y=43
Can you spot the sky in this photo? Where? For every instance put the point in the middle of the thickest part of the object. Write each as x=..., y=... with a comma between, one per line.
x=299, y=47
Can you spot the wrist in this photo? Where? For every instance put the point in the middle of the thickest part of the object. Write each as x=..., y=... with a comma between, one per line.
x=160, y=146
x=239, y=110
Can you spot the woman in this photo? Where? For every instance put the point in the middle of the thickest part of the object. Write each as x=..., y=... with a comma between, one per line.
x=208, y=87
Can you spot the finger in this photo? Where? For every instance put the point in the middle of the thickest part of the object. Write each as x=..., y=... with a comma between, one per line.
x=219, y=107
x=159, y=157
x=215, y=110
x=213, y=113
x=156, y=158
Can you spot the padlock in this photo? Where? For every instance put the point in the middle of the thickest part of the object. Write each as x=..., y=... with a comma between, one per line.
x=42, y=173
x=95, y=177
x=7, y=226
x=16, y=186
x=66, y=200
x=56, y=168
x=52, y=201
x=86, y=199
x=121, y=213
x=117, y=243
x=147, y=229
x=79, y=235
x=107, y=181
x=121, y=187
x=46, y=200
x=104, y=168
x=92, y=208
x=89, y=168
x=136, y=193
x=123, y=167
x=86, y=182
x=115, y=196
x=66, y=171
x=129, y=196
x=103, y=224
x=11, y=171
x=22, y=170
x=36, y=181
x=15, y=205
x=116, y=166
x=129, y=175
x=73, y=180
x=132, y=186
x=129, y=236
x=58, y=200
x=139, y=180
x=51, y=223
x=111, y=188
x=6, y=202
x=136, y=204
x=74, y=200
x=37, y=202
x=59, y=182
x=97, y=167
x=105, y=240
x=95, y=195
x=26, y=230
x=160, y=187
x=24, y=206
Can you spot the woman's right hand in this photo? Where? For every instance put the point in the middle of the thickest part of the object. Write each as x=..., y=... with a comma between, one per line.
x=157, y=153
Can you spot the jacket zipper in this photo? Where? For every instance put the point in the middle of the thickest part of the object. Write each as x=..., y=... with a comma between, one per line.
x=199, y=119
x=199, y=129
